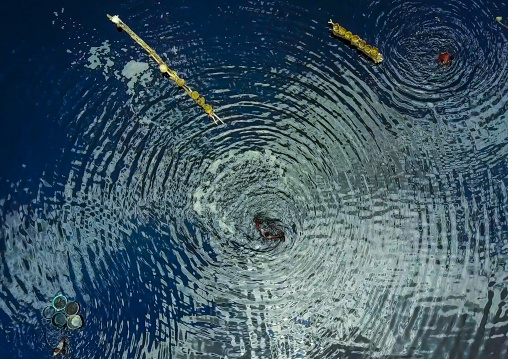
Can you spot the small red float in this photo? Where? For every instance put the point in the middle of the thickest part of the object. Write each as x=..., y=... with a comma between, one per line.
x=445, y=58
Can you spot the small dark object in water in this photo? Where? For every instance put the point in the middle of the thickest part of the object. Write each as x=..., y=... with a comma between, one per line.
x=60, y=348
x=269, y=228
x=445, y=58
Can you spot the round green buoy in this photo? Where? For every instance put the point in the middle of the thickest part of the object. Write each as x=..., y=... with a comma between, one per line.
x=48, y=312
x=59, y=302
x=75, y=321
x=59, y=320
x=72, y=308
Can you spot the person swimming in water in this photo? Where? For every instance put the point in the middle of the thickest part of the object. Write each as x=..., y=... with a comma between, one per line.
x=445, y=58
x=60, y=348
x=269, y=229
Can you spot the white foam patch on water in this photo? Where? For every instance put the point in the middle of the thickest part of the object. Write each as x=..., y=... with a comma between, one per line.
x=198, y=196
x=99, y=59
x=205, y=195
x=256, y=156
x=226, y=227
x=135, y=72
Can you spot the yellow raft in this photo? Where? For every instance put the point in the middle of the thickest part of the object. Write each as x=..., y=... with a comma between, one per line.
x=356, y=41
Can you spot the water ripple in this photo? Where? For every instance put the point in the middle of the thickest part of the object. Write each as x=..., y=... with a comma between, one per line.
x=394, y=223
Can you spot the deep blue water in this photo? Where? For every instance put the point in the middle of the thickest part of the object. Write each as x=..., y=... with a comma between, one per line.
x=118, y=191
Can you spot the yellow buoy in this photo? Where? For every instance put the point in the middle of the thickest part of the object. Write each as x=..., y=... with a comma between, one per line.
x=180, y=82
x=355, y=40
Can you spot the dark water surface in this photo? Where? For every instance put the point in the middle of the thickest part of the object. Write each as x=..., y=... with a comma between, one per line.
x=391, y=180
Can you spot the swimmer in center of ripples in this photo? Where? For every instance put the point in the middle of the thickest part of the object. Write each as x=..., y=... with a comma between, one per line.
x=445, y=59
x=270, y=229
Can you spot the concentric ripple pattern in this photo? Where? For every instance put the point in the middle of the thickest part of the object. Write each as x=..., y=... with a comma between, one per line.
x=390, y=183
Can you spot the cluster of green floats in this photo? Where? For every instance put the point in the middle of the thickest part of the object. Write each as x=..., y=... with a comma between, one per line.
x=337, y=30
x=63, y=313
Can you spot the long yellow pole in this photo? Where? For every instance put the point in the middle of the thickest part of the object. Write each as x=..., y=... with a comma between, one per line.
x=165, y=69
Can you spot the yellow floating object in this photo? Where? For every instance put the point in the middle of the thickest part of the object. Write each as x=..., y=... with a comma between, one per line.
x=207, y=108
x=355, y=40
x=165, y=69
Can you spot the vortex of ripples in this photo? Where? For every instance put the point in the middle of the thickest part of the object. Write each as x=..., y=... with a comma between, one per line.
x=390, y=181
x=418, y=32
